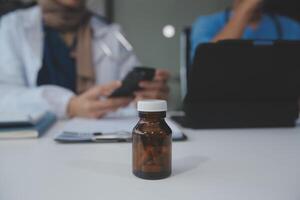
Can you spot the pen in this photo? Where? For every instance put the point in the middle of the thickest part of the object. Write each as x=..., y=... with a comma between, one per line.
x=114, y=137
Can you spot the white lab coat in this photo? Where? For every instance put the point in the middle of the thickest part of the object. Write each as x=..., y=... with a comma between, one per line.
x=21, y=54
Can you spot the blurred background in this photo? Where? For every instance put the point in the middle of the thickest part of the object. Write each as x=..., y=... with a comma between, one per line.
x=144, y=22
x=154, y=27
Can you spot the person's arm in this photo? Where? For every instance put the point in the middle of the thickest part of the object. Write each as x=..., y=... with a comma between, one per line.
x=16, y=94
x=16, y=98
x=91, y=104
x=60, y=101
x=236, y=26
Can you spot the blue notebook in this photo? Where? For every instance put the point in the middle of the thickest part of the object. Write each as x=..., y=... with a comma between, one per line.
x=24, y=127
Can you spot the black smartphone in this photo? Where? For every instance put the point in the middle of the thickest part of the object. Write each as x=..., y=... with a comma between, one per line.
x=130, y=84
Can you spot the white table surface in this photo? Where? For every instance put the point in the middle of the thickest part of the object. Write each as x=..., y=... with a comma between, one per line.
x=252, y=164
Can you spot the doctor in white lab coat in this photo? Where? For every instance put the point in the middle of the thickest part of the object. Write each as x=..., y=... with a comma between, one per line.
x=103, y=58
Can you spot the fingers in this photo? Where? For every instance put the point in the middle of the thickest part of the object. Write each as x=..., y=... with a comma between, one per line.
x=116, y=103
x=110, y=88
x=162, y=75
x=98, y=109
x=151, y=94
x=92, y=93
x=154, y=85
x=102, y=90
x=157, y=89
x=249, y=5
x=109, y=104
x=97, y=115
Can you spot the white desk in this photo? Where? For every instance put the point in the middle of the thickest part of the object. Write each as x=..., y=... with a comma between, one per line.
x=212, y=165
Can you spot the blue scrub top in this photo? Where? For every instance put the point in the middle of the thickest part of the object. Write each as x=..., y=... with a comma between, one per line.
x=207, y=27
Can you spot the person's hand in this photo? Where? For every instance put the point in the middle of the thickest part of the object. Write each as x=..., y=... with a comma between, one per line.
x=156, y=89
x=246, y=13
x=250, y=6
x=89, y=104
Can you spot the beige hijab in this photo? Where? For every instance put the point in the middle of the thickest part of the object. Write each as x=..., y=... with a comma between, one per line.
x=75, y=20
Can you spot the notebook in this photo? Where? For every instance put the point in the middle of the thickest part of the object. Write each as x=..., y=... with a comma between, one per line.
x=13, y=126
x=82, y=130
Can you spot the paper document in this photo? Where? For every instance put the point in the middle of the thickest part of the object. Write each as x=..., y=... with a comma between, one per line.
x=111, y=125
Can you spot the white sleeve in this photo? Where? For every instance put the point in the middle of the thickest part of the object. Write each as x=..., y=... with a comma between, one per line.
x=30, y=100
x=16, y=95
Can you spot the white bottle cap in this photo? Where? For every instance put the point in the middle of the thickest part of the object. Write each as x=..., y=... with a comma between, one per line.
x=152, y=106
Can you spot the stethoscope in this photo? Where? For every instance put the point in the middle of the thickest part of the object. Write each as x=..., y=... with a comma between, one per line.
x=275, y=20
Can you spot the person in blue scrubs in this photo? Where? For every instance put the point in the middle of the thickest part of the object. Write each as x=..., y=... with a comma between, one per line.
x=245, y=21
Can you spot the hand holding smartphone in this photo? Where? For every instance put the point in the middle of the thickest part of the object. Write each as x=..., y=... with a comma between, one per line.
x=130, y=84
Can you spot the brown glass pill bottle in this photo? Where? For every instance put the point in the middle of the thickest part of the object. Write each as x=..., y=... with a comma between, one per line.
x=152, y=142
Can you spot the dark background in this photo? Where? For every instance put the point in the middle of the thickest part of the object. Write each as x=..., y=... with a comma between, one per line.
x=290, y=8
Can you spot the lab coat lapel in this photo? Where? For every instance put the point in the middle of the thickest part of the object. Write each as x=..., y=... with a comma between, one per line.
x=33, y=51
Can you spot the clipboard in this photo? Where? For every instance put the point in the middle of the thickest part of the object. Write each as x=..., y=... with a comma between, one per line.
x=109, y=130
x=121, y=137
